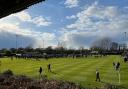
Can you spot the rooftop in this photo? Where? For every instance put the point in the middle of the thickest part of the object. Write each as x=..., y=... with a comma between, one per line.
x=8, y=7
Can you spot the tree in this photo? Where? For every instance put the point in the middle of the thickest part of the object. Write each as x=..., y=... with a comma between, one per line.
x=13, y=50
x=49, y=48
x=6, y=52
x=28, y=48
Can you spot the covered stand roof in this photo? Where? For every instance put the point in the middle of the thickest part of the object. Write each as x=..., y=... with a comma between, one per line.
x=8, y=7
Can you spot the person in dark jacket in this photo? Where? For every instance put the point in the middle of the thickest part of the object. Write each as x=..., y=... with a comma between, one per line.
x=97, y=75
x=40, y=70
x=117, y=66
x=49, y=67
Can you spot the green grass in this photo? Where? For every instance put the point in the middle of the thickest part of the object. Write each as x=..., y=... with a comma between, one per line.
x=81, y=70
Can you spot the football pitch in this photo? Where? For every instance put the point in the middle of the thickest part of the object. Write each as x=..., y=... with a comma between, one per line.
x=78, y=70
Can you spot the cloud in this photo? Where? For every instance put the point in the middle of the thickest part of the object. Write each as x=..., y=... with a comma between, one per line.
x=8, y=40
x=71, y=17
x=11, y=26
x=93, y=22
x=91, y=16
x=24, y=16
x=71, y=3
x=75, y=39
x=8, y=32
x=100, y=18
x=45, y=40
x=14, y=28
x=40, y=21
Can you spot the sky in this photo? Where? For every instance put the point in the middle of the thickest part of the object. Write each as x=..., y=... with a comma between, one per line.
x=71, y=23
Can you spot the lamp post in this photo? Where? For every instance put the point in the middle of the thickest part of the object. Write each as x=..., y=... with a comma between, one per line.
x=43, y=43
x=125, y=33
x=42, y=39
x=16, y=42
